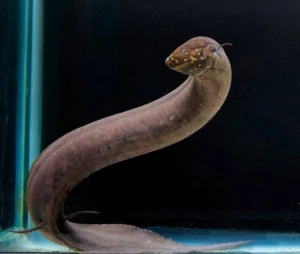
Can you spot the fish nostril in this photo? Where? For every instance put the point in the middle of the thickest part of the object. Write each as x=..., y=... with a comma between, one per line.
x=170, y=63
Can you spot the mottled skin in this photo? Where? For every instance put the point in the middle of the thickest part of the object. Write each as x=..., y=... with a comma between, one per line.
x=153, y=126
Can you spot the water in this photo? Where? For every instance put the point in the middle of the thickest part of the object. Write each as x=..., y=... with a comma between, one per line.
x=65, y=64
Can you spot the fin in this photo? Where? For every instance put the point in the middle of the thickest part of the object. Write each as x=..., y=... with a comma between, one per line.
x=73, y=215
x=41, y=225
x=221, y=246
x=38, y=227
x=121, y=238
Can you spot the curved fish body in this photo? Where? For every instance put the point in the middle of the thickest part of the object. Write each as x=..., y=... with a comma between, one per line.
x=153, y=126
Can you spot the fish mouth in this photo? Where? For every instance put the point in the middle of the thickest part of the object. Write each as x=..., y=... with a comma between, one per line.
x=173, y=65
x=181, y=66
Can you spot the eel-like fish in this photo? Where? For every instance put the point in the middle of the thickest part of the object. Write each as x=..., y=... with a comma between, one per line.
x=163, y=122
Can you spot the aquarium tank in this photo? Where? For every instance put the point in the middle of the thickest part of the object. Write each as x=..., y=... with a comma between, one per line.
x=149, y=126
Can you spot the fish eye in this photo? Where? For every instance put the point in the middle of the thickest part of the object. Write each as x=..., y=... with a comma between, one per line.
x=184, y=51
x=213, y=50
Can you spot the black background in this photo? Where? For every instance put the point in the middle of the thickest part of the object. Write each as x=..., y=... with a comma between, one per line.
x=242, y=170
x=8, y=86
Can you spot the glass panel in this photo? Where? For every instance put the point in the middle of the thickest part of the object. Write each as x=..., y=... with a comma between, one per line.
x=65, y=64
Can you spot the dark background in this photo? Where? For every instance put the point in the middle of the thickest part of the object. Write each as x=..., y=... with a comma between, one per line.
x=8, y=82
x=242, y=170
